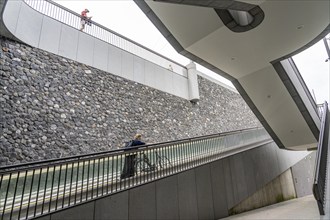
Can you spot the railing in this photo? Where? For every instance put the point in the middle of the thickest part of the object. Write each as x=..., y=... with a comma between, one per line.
x=35, y=189
x=321, y=161
x=320, y=110
x=71, y=18
x=303, y=84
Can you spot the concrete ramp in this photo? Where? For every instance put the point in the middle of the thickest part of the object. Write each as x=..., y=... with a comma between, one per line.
x=208, y=191
x=197, y=178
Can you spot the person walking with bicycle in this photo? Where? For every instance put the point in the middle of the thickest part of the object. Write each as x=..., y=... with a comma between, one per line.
x=128, y=170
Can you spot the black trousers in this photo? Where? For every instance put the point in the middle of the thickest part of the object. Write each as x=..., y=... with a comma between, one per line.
x=129, y=164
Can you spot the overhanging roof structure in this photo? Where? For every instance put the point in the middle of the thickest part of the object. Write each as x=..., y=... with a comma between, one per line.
x=249, y=43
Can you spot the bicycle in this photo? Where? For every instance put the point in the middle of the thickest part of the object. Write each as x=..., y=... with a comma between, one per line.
x=143, y=163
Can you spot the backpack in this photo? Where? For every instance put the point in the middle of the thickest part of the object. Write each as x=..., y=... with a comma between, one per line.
x=129, y=144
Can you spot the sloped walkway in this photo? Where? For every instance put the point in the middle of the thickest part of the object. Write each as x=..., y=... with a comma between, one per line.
x=301, y=208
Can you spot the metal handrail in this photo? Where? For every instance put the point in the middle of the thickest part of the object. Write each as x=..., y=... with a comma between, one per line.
x=323, y=146
x=303, y=84
x=320, y=110
x=35, y=189
x=94, y=155
x=71, y=18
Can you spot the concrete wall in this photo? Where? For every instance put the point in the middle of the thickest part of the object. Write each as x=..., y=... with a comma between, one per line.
x=297, y=181
x=210, y=191
x=303, y=175
x=43, y=32
x=278, y=190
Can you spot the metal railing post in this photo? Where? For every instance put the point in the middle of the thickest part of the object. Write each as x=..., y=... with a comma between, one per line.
x=322, y=160
x=60, y=13
x=66, y=178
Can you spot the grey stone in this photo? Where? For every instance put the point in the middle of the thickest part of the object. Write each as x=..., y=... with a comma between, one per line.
x=16, y=59
x=63, y=104
x=6, y=68
x=53, y=127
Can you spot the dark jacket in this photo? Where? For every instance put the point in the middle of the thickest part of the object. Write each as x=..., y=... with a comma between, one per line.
x=133, y=143
x=137, y=142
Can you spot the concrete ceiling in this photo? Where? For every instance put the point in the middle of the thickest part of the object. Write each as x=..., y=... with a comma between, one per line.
x=200, y=31
x=194, y=28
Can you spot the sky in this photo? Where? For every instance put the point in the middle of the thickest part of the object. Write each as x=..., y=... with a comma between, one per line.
x=314, y=69
x=126, y=18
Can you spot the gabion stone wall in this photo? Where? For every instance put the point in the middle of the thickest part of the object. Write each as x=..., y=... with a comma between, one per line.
x=53, y=107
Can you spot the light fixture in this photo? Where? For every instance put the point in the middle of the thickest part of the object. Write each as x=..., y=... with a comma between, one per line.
x=299, y=27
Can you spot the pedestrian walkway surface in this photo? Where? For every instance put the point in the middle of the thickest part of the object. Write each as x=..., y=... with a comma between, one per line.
x=301, y=208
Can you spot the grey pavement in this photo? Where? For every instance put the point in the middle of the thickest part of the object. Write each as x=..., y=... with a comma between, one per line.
x=301, y=208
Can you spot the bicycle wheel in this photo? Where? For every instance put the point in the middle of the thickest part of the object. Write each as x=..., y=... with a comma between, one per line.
x=140, y=166
x=164, y=162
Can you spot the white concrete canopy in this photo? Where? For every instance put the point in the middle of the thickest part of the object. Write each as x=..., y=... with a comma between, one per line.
x=255, y=58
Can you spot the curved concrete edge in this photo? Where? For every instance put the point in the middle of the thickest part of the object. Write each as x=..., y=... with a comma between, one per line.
x=22, y=23
x=173, y=41
x=3, y=29
x=324, y=33
x=311, y=121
